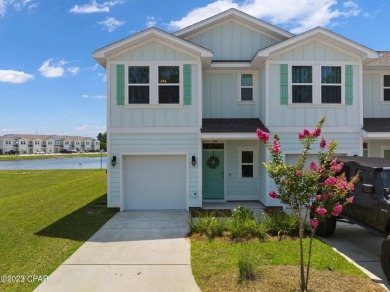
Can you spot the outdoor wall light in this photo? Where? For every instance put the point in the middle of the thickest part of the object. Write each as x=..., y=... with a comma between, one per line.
x=113, y=161
x=193, y=160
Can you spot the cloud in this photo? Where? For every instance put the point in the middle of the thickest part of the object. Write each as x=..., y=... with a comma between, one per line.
x=111, y=24
x=93, y=97
x=104, y=79
x=94, y=7
x=18, y=5
x=151, y=21
x=12, y=76
x=74, y=70
x=54, y=70
x=298, y=16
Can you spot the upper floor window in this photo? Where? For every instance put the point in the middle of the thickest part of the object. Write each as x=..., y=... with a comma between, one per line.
x=316, y=84
x=246, y=87
x=302, y=84
x=23, y=142
x=154, y=85
x=168, y=84
x=331, y=84
x=36, y=142
x=386, y=87
x=7, y=142
x=139, y=84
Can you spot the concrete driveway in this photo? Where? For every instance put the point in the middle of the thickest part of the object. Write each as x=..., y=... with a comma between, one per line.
x=134, y=251
x=362, y=247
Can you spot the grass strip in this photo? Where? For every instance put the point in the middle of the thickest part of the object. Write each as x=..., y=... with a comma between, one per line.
x=45, y=216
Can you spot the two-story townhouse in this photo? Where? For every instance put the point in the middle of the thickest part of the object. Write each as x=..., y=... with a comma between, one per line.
x=183, y=108
x=7, y=143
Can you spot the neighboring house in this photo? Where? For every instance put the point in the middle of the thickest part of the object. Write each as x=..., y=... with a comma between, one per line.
x=183, y=108
x=31, y=144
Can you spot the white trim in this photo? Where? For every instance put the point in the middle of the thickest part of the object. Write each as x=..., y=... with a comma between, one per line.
x=375, y=135
x=255, y=162
x=237, y=15
x=325, y=130
x=101, y=55
x=267, y=91
x=229, y=136
x=315, y=33
x=240, y=86
x=231, y=65
x=154, y=84
x=382, y=89
x=361, y=91
x=152, y=153
x=199, y=97
x=155, y=130
x=316, y=84
x=368, y=147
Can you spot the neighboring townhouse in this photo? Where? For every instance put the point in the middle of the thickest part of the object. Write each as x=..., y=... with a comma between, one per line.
x=32, y=144
x=183, y=108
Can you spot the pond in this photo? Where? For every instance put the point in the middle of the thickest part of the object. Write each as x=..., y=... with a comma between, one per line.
x=55, y=163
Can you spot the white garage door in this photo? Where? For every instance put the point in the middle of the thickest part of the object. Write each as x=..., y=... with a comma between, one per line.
x=154, y=182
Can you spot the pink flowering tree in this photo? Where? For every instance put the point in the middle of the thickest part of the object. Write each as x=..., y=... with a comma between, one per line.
x=314, y=193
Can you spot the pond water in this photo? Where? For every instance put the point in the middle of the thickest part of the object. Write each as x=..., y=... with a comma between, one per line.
x=55, y=163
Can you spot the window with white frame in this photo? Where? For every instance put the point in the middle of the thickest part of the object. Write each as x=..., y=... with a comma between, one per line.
x=154, y=84
x=302, y=84
x=139, y=85
x=36, y=142
x=365, y=149
x=246, y=87
x=331, y=84
x=246, y=163
x=317, y=84
x=168, y=85
x=7, y=142
x=386, y=87
x=23, y=142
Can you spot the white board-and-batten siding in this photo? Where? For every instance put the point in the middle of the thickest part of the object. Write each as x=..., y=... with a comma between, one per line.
x=373, y=104
x=221, y=96
x=232, y=41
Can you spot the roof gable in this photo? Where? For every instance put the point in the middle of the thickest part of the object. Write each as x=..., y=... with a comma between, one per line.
x=104, y=53
x=366, y=54
x=238, y=16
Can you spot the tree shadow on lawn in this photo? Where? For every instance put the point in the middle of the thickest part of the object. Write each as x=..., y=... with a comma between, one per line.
x=82, y=223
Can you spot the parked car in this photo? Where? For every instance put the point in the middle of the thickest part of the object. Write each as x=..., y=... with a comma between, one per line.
x=65, y=151
x=370, y=208
x=14, y=152
x=40, y=152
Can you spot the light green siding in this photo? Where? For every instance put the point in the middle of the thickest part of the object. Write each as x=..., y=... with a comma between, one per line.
x=232, y=41
x=155, y=116
x=372, y=105
x=314, y=51
x=375, y=147
x=239, y=188
x=149, y=143
x=308, y=116
x=154, y=51
x=220, y=97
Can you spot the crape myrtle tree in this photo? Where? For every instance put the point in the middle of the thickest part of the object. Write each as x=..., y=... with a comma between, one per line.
x=314, y=193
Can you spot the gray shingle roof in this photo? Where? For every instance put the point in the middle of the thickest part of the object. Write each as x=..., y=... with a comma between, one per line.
x=376, y=124
x=232, y=126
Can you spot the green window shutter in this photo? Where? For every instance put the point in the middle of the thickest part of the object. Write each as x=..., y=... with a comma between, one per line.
x=348, y=84
x=187, y=84
x=283, y=84
x=120, y=84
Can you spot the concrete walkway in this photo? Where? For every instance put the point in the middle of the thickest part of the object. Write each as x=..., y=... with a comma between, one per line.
x=134, y=251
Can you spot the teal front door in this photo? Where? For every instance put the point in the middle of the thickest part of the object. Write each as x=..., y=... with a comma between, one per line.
x=213, y=174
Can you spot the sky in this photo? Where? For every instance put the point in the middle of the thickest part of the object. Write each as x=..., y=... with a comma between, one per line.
x=50, y=84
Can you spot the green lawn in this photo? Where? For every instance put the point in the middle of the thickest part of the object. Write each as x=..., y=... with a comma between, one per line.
x=45, y=216
x=215, y=267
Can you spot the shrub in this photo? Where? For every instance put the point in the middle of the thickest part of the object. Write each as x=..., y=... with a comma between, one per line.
x=280, y=224
x=242, y=214
x=246, y=267
x=207, y=224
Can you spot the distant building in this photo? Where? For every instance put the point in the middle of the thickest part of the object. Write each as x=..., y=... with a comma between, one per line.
x=32, y=144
